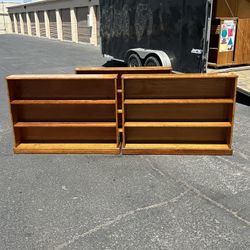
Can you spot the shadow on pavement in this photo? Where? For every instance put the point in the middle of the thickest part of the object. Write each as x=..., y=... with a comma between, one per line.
x=243, y=99
x=114, y=63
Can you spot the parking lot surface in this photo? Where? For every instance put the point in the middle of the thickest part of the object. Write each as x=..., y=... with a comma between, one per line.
x=115, y=202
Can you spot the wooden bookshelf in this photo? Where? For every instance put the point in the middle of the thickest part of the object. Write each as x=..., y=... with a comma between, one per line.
x=178, y=114
x=64, y=113
x=120, y=71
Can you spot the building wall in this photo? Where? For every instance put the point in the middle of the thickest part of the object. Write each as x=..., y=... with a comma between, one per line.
x=67, y=14
x=5, y=23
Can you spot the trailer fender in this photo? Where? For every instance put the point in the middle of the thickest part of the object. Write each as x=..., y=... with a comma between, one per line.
x=144, y=53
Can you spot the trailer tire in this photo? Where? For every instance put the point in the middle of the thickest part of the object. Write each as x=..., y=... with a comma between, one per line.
x=134, y=60
x=152, y=61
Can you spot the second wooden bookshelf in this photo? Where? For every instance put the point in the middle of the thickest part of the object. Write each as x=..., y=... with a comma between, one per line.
x=64, y=113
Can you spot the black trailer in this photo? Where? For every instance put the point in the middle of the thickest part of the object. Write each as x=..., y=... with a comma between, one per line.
x=157, y=32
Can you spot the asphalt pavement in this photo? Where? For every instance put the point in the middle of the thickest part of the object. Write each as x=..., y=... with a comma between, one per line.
x=115, y=202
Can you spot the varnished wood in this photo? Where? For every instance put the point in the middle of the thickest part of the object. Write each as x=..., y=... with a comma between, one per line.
x=183, y=86
x=64, y=113
x=178, y=101
x=123, y=70
x=178, y=114
x=242, y=47
x=241, y=53
x=65, y=124
x=178, y=124
x=120, y=71
x=57, y=102
x=186, y=112
x=64, y=148
x=231, y=8
x=176, y=149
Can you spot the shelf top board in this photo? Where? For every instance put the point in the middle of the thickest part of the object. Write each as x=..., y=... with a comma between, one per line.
x=63, y=77
x=124, y=69
x=180, y=76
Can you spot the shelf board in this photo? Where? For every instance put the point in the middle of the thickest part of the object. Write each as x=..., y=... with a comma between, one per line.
x=67, y=148
x=177, y=149
x=179, y=124
x=179, y=101
x=22, y=102
x=65, y=124
x=63, y=77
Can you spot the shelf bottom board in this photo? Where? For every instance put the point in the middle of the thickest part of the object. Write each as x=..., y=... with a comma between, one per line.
x=67, y=148
x=177, y=149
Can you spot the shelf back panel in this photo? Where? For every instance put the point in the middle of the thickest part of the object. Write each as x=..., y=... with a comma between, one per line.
x=178, y=112
x=62, y=89
x=67, y=135
x=65, y=113
x=178, y=88
x=176, y=135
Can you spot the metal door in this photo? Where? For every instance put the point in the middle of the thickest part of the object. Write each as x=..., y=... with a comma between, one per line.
x=40, y=15
x=66, y=24
x=52, y=23
x=18, y=23
x=25, y=27
x=32, y=23
x=12, y=22
x=84, y=32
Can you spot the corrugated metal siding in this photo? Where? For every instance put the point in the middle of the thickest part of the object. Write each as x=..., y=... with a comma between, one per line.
x=12, y=22
x=40, y=15
x=84, y=32
x=18, y=23
x=32, y=23
x=66, y=24
x=25, y=26
x=52, y=23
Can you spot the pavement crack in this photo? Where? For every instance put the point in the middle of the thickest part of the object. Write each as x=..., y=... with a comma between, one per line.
x=200, y=194
x=118, y=219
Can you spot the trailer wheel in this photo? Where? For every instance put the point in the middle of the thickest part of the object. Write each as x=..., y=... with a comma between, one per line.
x=134, y=61
x=152, y=61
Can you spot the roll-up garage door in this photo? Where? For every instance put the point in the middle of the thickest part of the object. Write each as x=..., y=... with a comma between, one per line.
x=84, y=32
x=12, y=22
x=25, y=27
x=32, y=23
x=66, y=24
x=52, y=23
x=40, y=15
x=18, y=23
x=98, y=24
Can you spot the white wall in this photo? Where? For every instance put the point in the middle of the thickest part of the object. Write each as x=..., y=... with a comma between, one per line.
x=58, y=5
x=5, y=23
